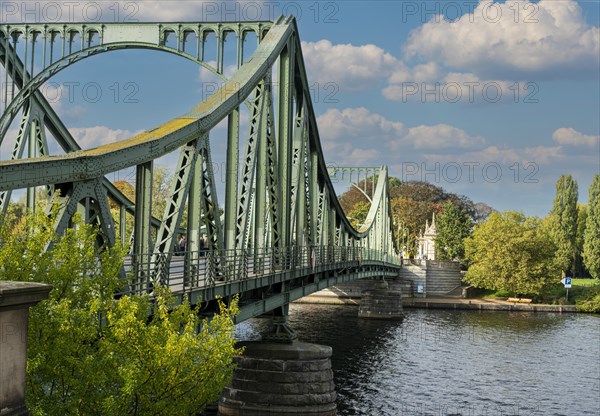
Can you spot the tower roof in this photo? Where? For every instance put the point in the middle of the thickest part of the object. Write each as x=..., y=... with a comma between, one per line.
x=430, y=229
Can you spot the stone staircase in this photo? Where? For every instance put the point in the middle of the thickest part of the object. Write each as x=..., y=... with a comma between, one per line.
x=439, y=278
x=443, y=277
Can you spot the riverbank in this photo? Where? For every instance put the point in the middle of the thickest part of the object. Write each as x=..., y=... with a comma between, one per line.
x=447, y=303
x=483, y=304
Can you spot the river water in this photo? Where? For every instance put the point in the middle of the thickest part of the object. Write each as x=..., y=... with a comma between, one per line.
x=467, y=363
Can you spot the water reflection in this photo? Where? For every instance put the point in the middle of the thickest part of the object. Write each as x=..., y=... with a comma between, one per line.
x=471, y=363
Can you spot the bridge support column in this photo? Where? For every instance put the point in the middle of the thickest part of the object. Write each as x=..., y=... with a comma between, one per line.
x=381, y=303
x=15, y=300
x=281, y=376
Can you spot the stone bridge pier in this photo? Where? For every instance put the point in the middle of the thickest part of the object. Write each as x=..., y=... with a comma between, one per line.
x=381, y=302
x=281, y=376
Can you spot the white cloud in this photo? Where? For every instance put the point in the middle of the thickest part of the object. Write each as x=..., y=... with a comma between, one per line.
x=362, y=126
x=352, y=68
x=571, y=137
x=167, y=11
x=543, y=155
x=506, y=156
x=356, y=136
x=440, y=136
x=365, y=157
x=474, y=59
x=545, y=37
x=420, y=73
x=90, y=137
x=357, y=122
x=477, y=59
x=86, y=137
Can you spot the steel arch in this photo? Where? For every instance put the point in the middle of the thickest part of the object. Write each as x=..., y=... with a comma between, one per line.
x=283, y=217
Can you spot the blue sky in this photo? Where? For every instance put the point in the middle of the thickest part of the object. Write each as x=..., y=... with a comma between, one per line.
x=491, y=100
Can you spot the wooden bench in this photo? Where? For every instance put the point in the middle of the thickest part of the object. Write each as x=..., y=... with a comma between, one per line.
x=519, y=300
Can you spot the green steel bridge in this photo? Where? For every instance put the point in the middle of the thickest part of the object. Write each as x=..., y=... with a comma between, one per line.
x=278, y=235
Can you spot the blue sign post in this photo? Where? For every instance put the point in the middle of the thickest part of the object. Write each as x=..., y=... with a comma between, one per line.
x=567, y=282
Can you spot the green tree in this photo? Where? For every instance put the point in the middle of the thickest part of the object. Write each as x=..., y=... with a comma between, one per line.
x=511, y=252
x=453, y=226
x=582, y=214
x=358, y=214
x=591, y=244
x=161, y=193
x=90, y=354
x=15, y=212
x=412, y=215
x=161, y=182
x=564, y=222
x=128, y=190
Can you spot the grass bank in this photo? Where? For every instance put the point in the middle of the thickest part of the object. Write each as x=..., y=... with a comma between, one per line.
x=585, y=293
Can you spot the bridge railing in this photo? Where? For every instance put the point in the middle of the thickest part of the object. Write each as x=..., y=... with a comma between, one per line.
x=188, y=270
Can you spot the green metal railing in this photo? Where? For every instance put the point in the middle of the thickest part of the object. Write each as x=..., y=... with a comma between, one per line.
x=201, y=269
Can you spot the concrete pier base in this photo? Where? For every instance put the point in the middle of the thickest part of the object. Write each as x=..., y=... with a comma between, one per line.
x=15, y=300
x=381, y=303
x=281, y=379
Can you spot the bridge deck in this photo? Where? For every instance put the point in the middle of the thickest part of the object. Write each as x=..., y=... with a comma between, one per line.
x=204, y=276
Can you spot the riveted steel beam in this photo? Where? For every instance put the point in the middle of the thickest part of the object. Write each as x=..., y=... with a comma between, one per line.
x=285, y=136
x=88, y=197
x=231, y=178
x=297, y=155
x=45, y=116
x=142, y=238
x=298, y=188
x=209, y=200
x=179, y=188
x=246, y=195
x=271, y=172
x=260, y=193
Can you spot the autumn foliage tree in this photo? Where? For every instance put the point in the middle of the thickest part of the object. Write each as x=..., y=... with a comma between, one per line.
x=412, y=204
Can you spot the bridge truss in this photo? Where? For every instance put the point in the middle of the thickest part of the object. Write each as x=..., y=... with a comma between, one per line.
x=280, y=232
